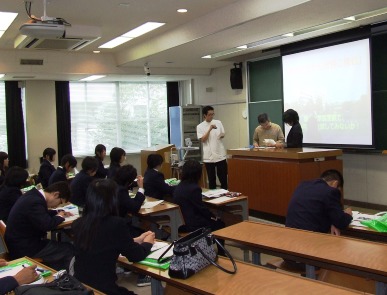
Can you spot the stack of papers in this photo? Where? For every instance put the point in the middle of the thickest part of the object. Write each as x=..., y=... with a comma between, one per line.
x=172, y=181
x=150, y=204
x=215, y=193
x=157, y=250
x=358, y=217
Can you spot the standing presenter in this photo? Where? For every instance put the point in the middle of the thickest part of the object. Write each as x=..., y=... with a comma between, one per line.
x=211, y=132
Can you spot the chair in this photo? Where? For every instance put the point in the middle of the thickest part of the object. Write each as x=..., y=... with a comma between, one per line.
x=3, y=247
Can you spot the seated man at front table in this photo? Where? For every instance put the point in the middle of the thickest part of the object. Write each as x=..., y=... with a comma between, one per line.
x=30, y=220
x=67, y=163
x=316, y=205
x=266, y=131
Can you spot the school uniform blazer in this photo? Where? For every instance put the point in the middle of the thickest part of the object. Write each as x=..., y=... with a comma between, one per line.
x=8, y=284
x=45, y=171
x=8, y=197
x=101, y=171
x=112, y=170
x=28, y=223
x=155, y=186
x=315, y=206
x=58, y=175
x=295, y=137
x=188, y=196
x=96, y=267
x=78, y=188
x=126, y=204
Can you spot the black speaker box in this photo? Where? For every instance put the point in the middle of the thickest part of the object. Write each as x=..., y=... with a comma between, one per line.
x=236, y=78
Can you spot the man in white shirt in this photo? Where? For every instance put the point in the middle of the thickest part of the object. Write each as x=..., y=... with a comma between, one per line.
x=210, y=132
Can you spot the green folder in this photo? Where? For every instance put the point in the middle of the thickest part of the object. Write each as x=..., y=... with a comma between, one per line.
x=153, y=263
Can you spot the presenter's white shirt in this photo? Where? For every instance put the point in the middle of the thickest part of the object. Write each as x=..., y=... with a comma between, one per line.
x=213, y=148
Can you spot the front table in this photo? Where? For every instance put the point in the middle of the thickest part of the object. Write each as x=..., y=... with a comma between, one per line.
x=269, y=176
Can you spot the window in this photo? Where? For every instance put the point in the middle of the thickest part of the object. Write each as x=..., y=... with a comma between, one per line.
x=128, y=115
x=3, y=120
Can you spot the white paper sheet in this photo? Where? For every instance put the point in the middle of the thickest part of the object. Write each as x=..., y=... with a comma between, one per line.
x=148, y=204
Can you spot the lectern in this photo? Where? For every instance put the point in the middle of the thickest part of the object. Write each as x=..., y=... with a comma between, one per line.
x=269, y=176
x=163, y=150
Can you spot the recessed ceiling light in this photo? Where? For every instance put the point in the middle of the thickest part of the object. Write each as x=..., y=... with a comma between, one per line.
x=96, y=51
x=124, y=4
x=206, y=56
x=242, y=47
x=182, y=10
x=93, y=77
x=2, y=75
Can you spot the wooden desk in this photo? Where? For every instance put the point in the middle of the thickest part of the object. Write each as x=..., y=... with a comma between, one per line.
x=249, y=279
x=361, y=258
x=269, y=176
x=241, y=201
x=364, y=233
x=53, y=271
x=165, y=209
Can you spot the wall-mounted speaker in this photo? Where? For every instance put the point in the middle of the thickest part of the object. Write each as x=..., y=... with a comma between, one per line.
x=236, y=80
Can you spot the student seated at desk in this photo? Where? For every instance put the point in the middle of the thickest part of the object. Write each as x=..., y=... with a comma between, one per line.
x=316, y=205
x=100, y=154
x=46, y=166
x=30, y=220
x=101, y=235
x=25, y=276
x=117, y=157
x=67, y=163
x=125, y=177
x=154, y=181
x=81, y=181
x=10, y=190
x=4, y=162
x=188, y=195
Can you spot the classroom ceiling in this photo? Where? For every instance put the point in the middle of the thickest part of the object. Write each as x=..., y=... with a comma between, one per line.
x=209, y=26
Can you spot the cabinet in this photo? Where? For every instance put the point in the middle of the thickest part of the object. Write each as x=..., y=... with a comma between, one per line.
x=183, y=122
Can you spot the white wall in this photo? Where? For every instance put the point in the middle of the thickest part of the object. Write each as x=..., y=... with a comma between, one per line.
x=40, y=120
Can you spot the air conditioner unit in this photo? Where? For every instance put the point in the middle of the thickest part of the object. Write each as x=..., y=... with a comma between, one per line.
x=56, y=36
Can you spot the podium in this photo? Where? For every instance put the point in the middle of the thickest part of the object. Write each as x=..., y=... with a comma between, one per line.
x=165, y=151
x=269, y=176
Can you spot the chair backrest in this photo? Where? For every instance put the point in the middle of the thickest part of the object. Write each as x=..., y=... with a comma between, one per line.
x=3, y=246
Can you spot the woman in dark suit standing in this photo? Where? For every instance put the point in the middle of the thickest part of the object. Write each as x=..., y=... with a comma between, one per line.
x=188, y=195
x=295, y=136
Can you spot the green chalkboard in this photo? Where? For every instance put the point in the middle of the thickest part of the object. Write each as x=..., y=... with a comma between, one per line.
x=265, y=91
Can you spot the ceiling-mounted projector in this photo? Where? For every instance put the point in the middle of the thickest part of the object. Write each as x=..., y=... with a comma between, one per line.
x=43, y=30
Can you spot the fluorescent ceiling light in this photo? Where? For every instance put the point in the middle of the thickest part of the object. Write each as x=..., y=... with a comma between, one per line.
x=143, y=29
x=2, y=75
x=6, y=19
x=93, y=77
x=182, y=10
x=319, y=27
x=115, y=42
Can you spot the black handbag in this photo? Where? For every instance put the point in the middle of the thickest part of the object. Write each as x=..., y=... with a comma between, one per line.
x=194, y=252
x=65, y=284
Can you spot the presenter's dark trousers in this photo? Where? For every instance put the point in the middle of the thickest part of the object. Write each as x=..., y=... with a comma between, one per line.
x=220, y=169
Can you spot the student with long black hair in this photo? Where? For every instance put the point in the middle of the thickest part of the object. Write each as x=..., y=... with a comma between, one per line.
x=10, y=191
x=4, y=162
x=100, y=154
x=117, y=157
x=47, y=167
x=101, y=235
